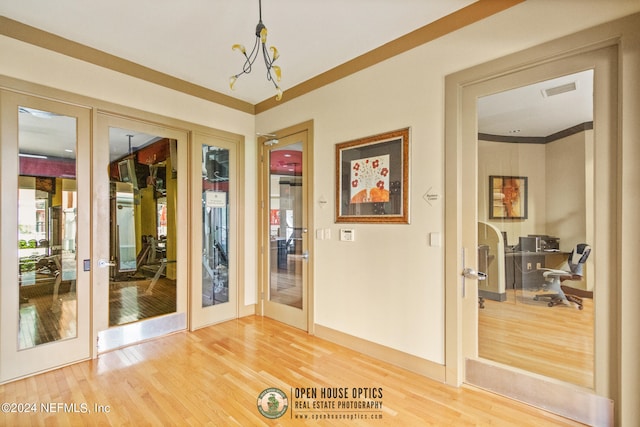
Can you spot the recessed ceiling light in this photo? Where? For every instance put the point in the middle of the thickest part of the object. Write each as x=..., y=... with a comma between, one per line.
x=515, y=131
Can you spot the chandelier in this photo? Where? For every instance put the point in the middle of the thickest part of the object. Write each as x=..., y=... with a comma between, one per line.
x=269, y=58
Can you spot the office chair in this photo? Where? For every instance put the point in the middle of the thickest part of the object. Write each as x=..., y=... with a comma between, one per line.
x=554, y=278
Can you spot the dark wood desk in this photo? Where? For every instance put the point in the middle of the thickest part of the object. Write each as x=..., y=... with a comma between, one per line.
x=523, y=269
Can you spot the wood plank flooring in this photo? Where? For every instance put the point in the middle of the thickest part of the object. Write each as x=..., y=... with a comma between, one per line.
x=129, y=301
x=557, y=342
x=214, y=376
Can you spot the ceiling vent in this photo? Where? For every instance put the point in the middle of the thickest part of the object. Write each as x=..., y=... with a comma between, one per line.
x=559, y=89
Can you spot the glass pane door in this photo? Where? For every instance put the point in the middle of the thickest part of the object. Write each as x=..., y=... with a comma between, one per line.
x=141, y=220
x=285, y=220
x=533, y=211
x=47, y=306
x=286, y=253
x=215, y=226
x=215, y=262
x=142, y=242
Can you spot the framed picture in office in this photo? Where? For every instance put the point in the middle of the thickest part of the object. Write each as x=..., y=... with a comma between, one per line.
x=372, y=179
x=508, y=197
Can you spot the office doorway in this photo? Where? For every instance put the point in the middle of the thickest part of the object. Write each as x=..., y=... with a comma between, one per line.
x=535, y=205
x=286, y=249
x=45, y=263
x=463, y=359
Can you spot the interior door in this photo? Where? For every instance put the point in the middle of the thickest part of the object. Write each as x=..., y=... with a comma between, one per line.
x=599, y=213
x=285, y=236
x=528, y=225
x=141, y=224
x=214, y=296
x=45, y=249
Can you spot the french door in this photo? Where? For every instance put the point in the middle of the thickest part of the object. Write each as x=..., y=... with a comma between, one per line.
x=140, y=230
x=45, y=235
x=285, y=228
x=216, y=230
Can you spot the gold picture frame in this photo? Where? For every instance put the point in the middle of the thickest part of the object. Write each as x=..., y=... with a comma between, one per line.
x=372, y=179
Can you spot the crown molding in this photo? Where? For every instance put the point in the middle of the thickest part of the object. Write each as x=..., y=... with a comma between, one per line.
x=468, y=15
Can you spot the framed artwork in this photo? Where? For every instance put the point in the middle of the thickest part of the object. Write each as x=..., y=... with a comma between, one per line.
x=508, y=197
x=274, y=217
x=372, y=179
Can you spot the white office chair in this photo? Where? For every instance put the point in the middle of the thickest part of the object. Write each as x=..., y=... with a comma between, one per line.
x=554, y=278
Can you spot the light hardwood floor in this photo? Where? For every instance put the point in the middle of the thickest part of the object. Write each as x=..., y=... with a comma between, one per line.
x=557, y=342
x=214, y=376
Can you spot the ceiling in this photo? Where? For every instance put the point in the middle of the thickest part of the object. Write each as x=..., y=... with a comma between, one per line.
x=192, y=41
x=540, y=109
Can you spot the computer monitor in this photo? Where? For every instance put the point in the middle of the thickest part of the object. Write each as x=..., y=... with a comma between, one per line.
x=529, y=244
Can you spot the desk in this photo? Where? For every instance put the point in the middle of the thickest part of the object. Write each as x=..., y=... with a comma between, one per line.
x=523, y=269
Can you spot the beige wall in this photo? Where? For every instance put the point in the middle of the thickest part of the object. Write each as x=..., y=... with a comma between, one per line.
x=387, y=286
x=557, y=193
x=528, y=160
x=354, y=284
x=567, y=176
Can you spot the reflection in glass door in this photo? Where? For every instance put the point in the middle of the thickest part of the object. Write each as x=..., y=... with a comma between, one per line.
x=45, y=312
x=215, y=226
x=141, y=218
x=143, y=185
x=286, y=254
x=285, y=217
x=214, y=182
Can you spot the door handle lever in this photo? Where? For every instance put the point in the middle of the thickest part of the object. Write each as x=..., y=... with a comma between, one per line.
x=470, y=273
x=102, y=263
